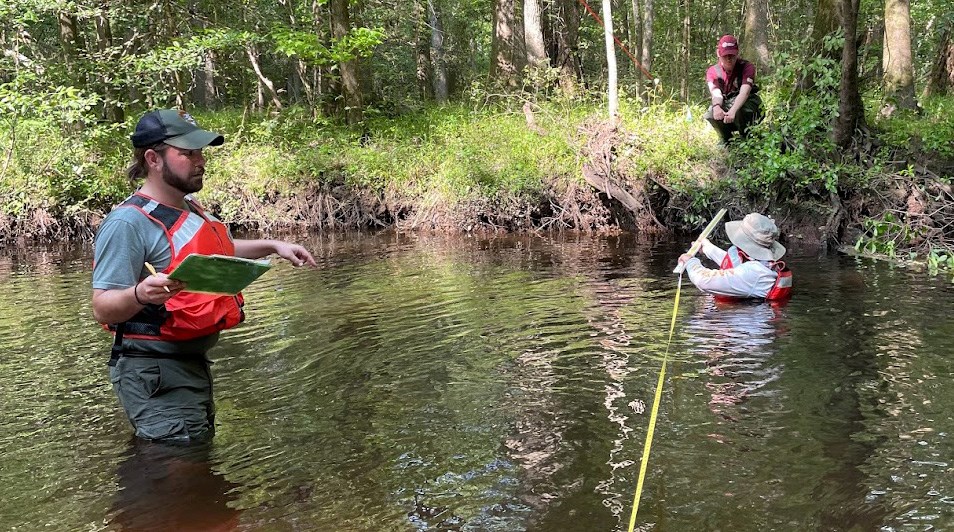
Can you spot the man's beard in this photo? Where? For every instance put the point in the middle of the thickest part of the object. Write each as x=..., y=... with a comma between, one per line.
x=186, y=185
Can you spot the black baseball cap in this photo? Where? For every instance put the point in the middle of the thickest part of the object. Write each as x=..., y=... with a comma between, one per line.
x=175, y=128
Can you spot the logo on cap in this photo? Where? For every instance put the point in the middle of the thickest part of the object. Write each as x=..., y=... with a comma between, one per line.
x=187, y=117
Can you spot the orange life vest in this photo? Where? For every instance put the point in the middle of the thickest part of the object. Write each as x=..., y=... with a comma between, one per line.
x=186, y=315
x=782, y=289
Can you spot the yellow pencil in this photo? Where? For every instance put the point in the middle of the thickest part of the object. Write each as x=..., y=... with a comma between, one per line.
x=153, y=271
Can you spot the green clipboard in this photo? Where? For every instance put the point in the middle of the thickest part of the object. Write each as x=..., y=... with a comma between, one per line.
x=218, y=274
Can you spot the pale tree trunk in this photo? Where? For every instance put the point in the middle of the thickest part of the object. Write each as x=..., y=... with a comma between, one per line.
x=69, y=36
x=252, y=52
x=502, y=67
x=941, y=81
x=851, y=115
x=438, y=53
x=898, y=67
x=566, y=34
x=755, y=44
x=646, y=46
x=350, y=75
x=423, y=50
x=533, y=34
x=612, y=89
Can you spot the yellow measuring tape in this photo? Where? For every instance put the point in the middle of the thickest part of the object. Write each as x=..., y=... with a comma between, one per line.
x=654, y=413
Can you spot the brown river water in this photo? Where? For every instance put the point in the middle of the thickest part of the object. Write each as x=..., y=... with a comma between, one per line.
x=497, y=384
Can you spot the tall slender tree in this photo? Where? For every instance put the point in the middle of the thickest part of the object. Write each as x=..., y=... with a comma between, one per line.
x=941, y=80
x=612, y=89
x=503, y=68
x=423, y=49
x=898, y=65
x=350, y=74
x=438, y=53
x=851, y=115
x=566, y=30
x=533, y=34
x=755, y=38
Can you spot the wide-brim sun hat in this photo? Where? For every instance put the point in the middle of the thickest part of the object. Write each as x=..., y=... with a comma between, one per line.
x=757, y=236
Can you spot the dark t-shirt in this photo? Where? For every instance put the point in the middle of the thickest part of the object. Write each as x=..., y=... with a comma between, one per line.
x=729, y=82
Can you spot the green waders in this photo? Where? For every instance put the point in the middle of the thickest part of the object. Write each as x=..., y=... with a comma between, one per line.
x=166, y=399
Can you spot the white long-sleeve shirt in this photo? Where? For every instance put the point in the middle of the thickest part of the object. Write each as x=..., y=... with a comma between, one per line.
x=753, y=278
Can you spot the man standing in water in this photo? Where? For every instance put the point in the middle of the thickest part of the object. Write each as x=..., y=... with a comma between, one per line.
x=749, y=269
x=735, y=101
x=159, y=367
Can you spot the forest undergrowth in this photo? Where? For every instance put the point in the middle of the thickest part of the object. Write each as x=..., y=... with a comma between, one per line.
x=522, y=165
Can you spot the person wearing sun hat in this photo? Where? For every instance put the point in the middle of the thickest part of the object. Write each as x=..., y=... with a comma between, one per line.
x=162, y=332
x=734, y=95
x=750, y=268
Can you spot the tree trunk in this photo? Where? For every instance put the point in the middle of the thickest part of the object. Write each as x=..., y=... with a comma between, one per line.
x=423, y=50
x=612, y=90
x=252, y=52
x=104, y=42
x=566, y=32
x=646, y=46
x=941, y=81
x=350, y=74
x=755, y=44
x=898, y=66
x=502, y=67
x=533, y=34
x=69, y=36
x=438, y=53
x=851, y=115
x=685, y=51
x=827, y=23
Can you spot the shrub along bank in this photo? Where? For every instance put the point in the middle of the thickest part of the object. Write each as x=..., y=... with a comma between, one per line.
x=518, y=165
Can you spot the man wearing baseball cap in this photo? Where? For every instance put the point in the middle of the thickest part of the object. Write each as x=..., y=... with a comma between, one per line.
x=734, y=95
x=750, y=268
x=162, y=332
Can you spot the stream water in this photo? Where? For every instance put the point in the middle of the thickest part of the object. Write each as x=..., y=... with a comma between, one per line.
x=472, y=383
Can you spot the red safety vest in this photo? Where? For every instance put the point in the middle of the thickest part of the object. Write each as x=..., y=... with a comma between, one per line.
x=782, y=289
x=186, y=315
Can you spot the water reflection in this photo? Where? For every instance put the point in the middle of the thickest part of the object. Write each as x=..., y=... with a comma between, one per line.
x=168, y=487
x=500, y=384
x=736, y=342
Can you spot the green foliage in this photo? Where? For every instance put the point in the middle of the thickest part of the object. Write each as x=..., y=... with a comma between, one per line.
x=884, y=236
x=931, y=128
x=791, y=149
x=359, y=42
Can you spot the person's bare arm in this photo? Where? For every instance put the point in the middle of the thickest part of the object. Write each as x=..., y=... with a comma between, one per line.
x=744, y=92
x=115, y=306
x=256, y=249
x=716, y=98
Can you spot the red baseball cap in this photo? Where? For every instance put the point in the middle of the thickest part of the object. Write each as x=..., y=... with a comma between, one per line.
x=728, y=45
